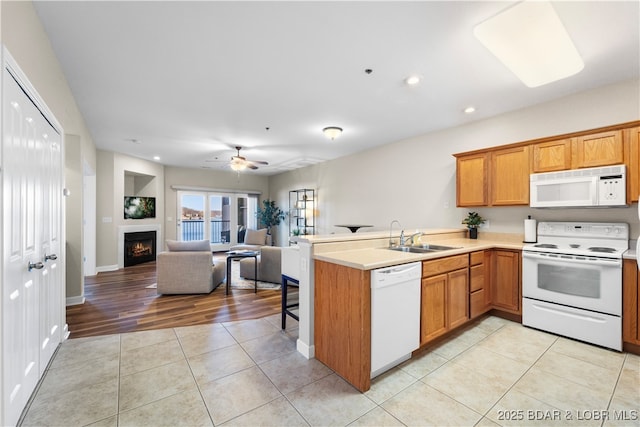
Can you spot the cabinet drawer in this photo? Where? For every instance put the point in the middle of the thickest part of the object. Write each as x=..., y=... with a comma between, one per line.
x=477, y=257
x=478, y=303
x=476, y=277
x=442, y=265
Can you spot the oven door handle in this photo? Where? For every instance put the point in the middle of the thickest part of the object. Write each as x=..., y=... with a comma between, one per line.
x=608, y=262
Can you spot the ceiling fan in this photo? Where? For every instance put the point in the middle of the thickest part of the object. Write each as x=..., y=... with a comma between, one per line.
x=239, y=163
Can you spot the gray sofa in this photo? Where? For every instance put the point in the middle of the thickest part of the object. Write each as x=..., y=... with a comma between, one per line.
x=188, y=268
x=269, y=265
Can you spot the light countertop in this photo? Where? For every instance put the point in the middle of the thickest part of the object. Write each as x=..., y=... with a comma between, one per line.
x=372, y=258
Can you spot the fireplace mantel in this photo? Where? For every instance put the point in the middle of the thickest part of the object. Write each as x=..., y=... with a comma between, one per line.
x=122, y=229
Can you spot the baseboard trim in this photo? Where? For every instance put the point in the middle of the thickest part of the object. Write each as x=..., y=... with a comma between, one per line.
x=75, y=300
x=106, y=268
x=308, y=351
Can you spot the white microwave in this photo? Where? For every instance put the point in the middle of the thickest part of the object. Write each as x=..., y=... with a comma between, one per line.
x=593, y=187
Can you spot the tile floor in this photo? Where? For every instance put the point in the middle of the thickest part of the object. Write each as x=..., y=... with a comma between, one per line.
x=248, y=373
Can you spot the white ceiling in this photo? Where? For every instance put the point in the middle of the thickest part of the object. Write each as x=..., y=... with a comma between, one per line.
x=189, y=80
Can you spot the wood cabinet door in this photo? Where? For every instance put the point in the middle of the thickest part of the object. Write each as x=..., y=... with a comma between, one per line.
x=471, y=180
x=630, y=303
x=600, y=149
x=505, y=281
x=551, y=156
x=457, y=298
x=509, y=179
x=632, y=140
x=433, y=318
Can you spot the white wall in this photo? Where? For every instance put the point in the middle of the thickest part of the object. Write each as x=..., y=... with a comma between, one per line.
x=413, y=180
x=110, y=176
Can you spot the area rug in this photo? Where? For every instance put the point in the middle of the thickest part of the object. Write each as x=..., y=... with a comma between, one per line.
x=238, y=282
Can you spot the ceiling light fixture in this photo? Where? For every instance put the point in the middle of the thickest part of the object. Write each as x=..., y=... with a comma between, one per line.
x=470, y=110
x=412, y=80
x=238, y=164
x=530, y=40
x=332, y=132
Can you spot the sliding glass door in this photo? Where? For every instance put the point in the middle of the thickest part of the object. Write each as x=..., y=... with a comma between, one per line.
x=214, y=215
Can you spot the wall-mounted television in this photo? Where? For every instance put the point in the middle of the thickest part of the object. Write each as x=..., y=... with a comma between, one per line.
x=139, y=207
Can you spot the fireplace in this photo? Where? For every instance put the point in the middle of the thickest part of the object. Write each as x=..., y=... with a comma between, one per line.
x=139, y=247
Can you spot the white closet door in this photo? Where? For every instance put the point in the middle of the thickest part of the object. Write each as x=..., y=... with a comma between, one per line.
x=49, y=146
x=21, y=229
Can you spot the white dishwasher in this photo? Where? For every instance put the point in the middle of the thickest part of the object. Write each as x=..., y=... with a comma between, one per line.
x=395, y=315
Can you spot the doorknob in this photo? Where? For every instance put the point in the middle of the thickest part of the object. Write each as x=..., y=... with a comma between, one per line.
x=37, y=265
x=51, y=257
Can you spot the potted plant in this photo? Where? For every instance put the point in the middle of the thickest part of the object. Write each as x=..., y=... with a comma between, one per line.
x=473, y=221
x=270, y=215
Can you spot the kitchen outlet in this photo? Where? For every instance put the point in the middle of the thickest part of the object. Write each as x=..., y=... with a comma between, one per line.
x=486, y=224
x=446, y=205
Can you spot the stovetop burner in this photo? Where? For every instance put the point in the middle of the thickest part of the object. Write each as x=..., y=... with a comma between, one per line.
x=602, y=249
x=546, y=245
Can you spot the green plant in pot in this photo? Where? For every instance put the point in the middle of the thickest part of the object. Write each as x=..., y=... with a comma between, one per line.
x=473, y=221
x=270, y=215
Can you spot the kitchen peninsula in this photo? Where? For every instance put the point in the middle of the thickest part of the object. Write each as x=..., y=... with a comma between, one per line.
x=335, y=293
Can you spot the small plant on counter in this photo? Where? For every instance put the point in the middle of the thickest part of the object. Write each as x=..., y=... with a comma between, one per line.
x=473, y=221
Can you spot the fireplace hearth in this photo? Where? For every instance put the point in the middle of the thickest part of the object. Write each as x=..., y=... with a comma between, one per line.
x=139, y=247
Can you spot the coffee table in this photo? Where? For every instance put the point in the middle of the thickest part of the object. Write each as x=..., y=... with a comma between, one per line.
x=239, y=255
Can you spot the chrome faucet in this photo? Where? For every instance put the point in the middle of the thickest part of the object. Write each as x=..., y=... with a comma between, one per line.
x=413, y=237
x=391, y=244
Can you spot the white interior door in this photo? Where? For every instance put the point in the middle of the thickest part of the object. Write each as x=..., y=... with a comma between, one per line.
x=21, y=180
x=51, y=274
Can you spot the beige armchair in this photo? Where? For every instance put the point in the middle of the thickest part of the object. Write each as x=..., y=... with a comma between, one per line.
x=188, y=268
x=269, y=265
x=254, y=240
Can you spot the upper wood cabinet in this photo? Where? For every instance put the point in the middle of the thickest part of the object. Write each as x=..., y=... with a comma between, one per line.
x=509, y=182
x=471, y=180
x=499, y=176
x=551, y=156
x=599, y=149
x=631, y=139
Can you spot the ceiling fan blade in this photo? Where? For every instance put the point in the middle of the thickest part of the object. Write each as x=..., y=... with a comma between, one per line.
x=251, y=166
x=259, y=162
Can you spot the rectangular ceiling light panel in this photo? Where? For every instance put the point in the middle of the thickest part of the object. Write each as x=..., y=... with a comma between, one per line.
x=531, y=41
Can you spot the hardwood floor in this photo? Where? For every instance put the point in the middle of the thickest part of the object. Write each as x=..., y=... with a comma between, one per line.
x=119, y=301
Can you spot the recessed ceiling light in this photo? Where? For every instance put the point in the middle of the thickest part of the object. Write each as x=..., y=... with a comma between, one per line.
x=531, y=41
x=156, y=157
x=412, y=80
x=470, y=110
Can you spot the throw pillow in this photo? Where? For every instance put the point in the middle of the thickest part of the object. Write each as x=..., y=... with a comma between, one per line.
x=256, y=237
x=192, y=245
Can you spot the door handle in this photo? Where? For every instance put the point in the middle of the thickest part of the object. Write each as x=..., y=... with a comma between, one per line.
x=37, y=265
x=51, y=257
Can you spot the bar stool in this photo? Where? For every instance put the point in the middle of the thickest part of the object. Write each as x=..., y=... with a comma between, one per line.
x=290, y=274
x=286, y=283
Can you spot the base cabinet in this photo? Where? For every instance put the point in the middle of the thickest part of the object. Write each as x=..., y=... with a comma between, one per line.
x=630, y=303
x=445, y=296
x=479, y=286
x=506, y=281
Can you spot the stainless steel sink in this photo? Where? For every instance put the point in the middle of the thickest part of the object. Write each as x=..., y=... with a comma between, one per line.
x=422, y=249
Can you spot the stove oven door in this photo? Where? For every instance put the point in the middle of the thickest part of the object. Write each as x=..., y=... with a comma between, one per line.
x=592, y=284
